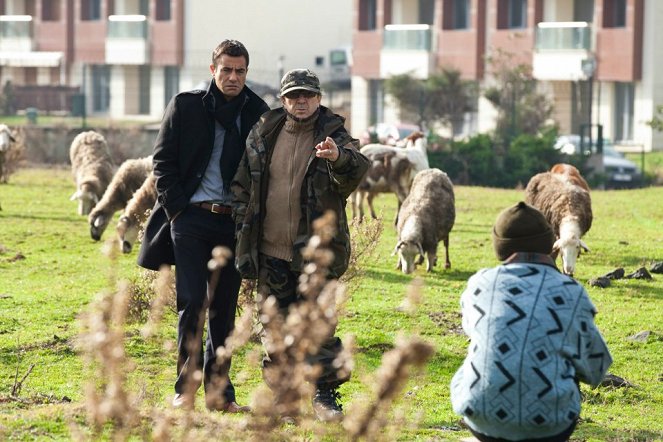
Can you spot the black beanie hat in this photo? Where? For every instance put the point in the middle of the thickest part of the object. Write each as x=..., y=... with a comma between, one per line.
x=521, y=228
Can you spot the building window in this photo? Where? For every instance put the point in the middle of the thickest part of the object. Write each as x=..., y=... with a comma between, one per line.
x=100, y=88
x=614, y=14
x=144, y=8
x=144, y=89
x=172, y=86
x=511, y=14
x=163, y=10
x=624, y=100
x=426, y=11
x=30, y=76
x=367, y=15
x=456, y=14
x=50, y=10
x=91, y=10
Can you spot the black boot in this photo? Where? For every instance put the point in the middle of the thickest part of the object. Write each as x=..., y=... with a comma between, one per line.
x=326, y=404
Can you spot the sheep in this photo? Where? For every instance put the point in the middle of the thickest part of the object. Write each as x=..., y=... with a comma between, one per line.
x=426, y=218
x=572, y=174
x=92, y=168
x=564, y=200
x=128, y=178
x=6, y=140
x=380, y=179
x=390, y=171
x=135, y=213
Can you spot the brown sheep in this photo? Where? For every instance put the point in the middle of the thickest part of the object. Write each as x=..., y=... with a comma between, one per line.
x=92, y=168
x=135, y=214
x=128, y=178
x=426, y=218
x=566, y=203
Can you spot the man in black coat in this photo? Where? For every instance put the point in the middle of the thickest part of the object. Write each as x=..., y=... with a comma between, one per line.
x=196, y=154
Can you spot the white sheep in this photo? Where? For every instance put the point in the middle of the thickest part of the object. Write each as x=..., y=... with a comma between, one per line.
x=92, y=168
x=426, y=218
x=6, y=140
x=564, y=200
x=381, y=179
x=129, y=177
x=135, y=214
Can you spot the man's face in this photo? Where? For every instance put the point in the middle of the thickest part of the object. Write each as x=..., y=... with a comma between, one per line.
x=300, y=103
x=230, y=75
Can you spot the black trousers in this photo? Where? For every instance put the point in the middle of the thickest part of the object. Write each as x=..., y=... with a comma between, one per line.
x=195, y=233
x=276, y=278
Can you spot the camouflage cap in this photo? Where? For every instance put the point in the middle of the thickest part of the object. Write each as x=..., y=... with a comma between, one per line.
x=300, y=79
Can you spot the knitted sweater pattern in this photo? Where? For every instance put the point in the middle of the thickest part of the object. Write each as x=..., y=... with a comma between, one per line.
x=532, y=337
x=292, y=151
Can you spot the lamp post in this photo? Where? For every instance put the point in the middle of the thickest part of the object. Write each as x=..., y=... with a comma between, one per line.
x=588, y=68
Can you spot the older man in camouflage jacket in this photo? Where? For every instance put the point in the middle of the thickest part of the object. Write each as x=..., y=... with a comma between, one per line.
x=300, y=162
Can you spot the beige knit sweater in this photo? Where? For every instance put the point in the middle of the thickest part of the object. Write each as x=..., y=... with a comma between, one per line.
x=292, y=151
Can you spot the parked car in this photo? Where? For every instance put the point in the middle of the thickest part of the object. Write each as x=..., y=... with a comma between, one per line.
x=619, y=171
x=387, y=133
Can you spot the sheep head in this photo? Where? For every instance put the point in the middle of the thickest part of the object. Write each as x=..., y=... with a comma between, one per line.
x=569, y=249
x=86, y=197
x=127, y=233
x=6, y=138
x=98, y=223
x=407, y=253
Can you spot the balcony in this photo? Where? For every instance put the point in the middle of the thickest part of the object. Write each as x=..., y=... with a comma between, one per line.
x=126, y=40
x=561, y=50
x=16, y=33
x=406, y=49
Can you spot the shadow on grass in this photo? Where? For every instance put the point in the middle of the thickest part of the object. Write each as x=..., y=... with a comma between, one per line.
x=394, y=277
x=40, y=217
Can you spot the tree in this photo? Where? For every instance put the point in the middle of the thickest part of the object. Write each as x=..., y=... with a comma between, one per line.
x=657, y=122
x=521, y=109
x=443, y=97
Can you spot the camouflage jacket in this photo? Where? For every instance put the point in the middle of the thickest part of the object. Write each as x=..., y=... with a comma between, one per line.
x=326, y=186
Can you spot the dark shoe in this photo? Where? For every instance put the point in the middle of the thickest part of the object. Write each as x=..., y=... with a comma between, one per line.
x=326, y=405
x=227, y=407
x=641, y=273
x=618, y=273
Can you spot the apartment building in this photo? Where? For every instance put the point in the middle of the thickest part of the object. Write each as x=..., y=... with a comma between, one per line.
x=129, y=57
x=600, y=61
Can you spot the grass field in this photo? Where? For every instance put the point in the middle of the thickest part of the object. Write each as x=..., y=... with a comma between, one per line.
x=51, y=270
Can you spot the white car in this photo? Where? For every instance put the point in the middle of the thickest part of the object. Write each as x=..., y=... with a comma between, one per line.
x=619, y=171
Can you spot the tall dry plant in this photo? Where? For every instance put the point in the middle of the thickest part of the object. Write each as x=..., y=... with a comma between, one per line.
x=108, y=399
x=363, y=242
x=15, y=156
x=390, y=380
x=291, y=340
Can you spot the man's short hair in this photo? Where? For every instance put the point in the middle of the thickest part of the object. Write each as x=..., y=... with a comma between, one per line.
x=234, y=48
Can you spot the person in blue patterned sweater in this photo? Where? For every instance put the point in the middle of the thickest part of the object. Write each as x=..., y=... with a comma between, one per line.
x=532, y=339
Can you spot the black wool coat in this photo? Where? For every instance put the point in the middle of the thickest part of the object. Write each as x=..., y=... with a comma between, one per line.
x=181, y=153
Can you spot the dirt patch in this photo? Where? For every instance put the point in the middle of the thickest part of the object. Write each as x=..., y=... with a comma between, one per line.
x=450, y=322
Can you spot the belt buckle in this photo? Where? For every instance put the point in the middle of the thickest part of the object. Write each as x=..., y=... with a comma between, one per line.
x=215, y=207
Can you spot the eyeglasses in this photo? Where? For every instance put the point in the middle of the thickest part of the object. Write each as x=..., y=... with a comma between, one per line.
x=293, y=95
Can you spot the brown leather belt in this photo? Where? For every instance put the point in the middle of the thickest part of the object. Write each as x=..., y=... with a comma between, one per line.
x=215, y=208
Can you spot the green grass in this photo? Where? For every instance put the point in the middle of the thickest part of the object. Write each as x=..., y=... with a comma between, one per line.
x=50, y=270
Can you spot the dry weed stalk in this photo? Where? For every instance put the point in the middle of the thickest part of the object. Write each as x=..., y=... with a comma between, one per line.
x=165, y=293
x=391, y=378
x=107, y=396
x=290, y=341
x=363, y=242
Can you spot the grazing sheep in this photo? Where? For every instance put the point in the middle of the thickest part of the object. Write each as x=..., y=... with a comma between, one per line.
x=382, y=178
x=6, y=140
x=571, y=173
x=136, y=213
x=390, y=171
x=426, y=218
x=564, y=200
x=128, y=178
x=92, y=168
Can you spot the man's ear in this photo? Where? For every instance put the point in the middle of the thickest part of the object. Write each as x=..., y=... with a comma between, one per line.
x=212, y=68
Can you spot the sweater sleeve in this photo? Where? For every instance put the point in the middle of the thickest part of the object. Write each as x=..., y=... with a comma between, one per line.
x=584, y=345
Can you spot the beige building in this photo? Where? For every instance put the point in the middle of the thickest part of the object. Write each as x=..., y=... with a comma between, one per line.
x=600, y=61
x=129, y=57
